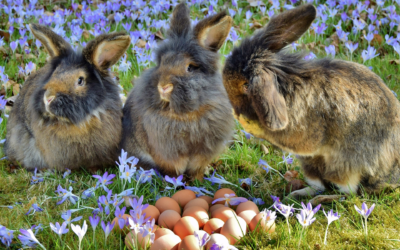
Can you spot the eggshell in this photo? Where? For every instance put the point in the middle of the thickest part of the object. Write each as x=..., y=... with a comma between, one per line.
x=207, y=198
x=221, y=194
x=214, y=225
x=267, y=226
x=186, y=226
x=234, y=227
x=248, y=205
x=215, y=207
x=166, y=203
x=152, y=212
x=166, y=242
x=182, y=197
x=161, y=232
x=247, y=216
x=143, y=241
x=168, y=219
x=197, y=203
x=198, y=213
x=190, y=242
x=217, y=238
x=223, y=213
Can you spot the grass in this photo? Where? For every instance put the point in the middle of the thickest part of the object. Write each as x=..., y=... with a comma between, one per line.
x=239, y=161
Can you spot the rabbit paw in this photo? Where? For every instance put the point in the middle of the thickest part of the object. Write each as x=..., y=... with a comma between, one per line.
x=295, y=195
x=326, y=199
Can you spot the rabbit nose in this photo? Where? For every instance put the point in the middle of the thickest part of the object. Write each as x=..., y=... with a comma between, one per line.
x=167, y=88
x=165, y=91
x=50, y=99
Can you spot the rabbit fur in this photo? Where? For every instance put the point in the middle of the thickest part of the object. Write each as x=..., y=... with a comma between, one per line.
x=178, y=117
x=68, y=114
x=338, y=117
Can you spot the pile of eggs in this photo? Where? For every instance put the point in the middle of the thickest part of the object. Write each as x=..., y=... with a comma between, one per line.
x=178, y=217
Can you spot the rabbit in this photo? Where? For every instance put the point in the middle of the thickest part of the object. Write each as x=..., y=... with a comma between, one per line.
x=338, y=117
x=177, y=117
x=68, y=114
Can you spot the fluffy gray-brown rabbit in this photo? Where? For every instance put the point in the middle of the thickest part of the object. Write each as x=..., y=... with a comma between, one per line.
x=69, y=113
x=338, y=117
x=178, y=117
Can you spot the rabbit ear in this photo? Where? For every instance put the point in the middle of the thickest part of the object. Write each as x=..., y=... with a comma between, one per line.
x=268, y=103
x=287, y=27
x=212, y=31
x=105, y=50
x=54, y=44
x=180, y=24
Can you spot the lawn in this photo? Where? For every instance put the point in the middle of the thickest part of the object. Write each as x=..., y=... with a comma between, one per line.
x=362, y=31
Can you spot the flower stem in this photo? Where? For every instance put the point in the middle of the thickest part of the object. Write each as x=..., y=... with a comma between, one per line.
x=326, y=234
x=94, y=242
x=301, y=233
x=366, y=227
x=287, y=222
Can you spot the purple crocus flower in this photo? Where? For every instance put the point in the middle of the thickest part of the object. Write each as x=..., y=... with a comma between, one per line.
x=288, y=159
x=94, y=221
x=199, y=191
x=35, y=179
x=105, y=180
x=147, y=229
x=216, y=180
x=175, y=181
x=390, y=40
x=6, y=236
x=202, y=240
x=60, y=230
x=65, y=194
x=247, y=135
x=217, y=246
x=264, y=165
x=67, y=217
x=258, y=201
x=305, y=218
x=248, y=15
x=364, y=211
x=231, y=200
x=107, y=228
x=351, y=47
x=246, y=181
x=13, y=46
x=369, y=37
x=310, y=56
x=396, y=47
x=66, y=173
x=34, y=208
x=28, y=239
x=369, y=53
x=309, y=209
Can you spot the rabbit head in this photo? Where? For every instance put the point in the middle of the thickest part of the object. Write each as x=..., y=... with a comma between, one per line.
x=187, y=63
x=78, y=82
x=252, y=74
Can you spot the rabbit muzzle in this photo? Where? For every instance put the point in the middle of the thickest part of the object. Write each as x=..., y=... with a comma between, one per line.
x=165, y=91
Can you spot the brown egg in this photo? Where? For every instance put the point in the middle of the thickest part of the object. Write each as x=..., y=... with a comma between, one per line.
x=215, y=207
x=182, y=197
x=143, y=241
x=198, y=213
x=221, y=194
x=152, y=212
x=190, y=242
x=186, y=226
x=234, y=229
x=166, y=242
x=168, y=219
x=207, y=198
x=248, y=205
x=266, y=225
x=223, y=213
x=214, y=225
x=217, y=238
x=166, y=203
x=161, y=232
x=247, y=216
x=197, y=203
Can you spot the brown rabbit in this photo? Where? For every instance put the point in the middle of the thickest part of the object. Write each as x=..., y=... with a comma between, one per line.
x=178, y=116
x=68, y=114
x=338, y=117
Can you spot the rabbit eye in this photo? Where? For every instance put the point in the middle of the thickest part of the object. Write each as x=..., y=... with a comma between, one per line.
x=80, y=81
x=191, y=67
